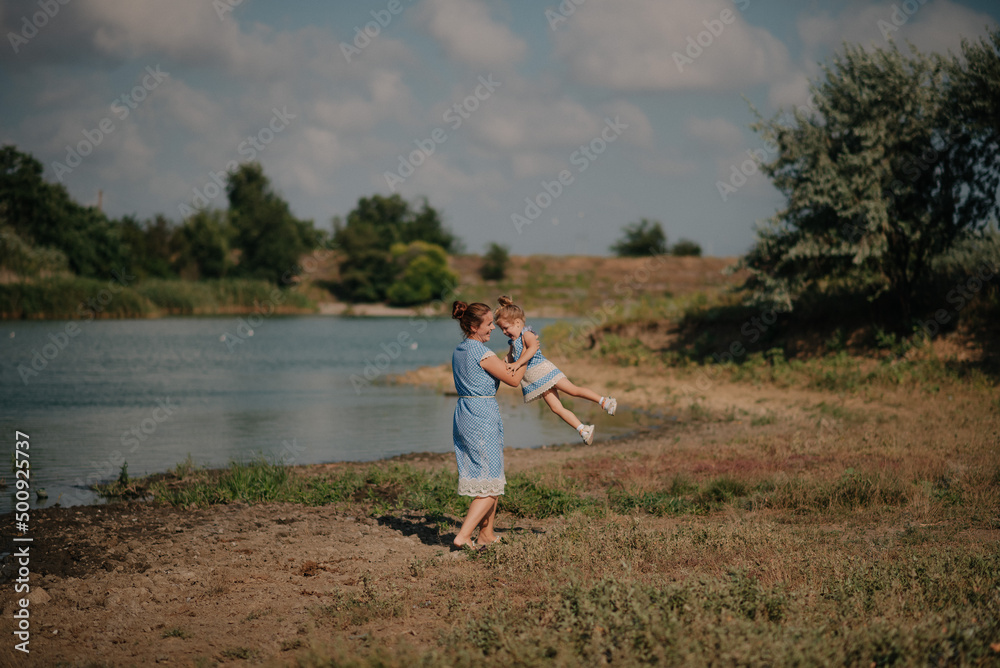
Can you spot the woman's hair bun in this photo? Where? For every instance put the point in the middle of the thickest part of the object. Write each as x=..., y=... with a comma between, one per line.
x=458, y=310
x=504, y=300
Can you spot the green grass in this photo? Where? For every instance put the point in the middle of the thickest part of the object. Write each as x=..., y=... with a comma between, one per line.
x=176, y=632
x=371, y=603
x=390, y=488
x=85, y=298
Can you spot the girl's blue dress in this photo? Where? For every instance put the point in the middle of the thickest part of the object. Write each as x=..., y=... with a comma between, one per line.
x=540, y=374
x=477, y=429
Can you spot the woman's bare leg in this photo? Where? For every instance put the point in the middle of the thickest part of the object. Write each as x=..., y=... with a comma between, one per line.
x=480, y=507
x=572, y=390
x=552, y=399
x=486, y=535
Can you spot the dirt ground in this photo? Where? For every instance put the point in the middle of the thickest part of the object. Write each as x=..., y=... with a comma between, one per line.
x=133, y=584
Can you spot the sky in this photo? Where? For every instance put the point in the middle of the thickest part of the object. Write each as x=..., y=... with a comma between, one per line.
x=545, y=127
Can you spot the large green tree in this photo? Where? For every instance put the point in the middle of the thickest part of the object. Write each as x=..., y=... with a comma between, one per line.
x=365, y=239
x=270, y=238
x=881, y=178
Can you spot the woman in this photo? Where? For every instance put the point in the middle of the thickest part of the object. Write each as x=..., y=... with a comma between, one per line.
x=478, y=429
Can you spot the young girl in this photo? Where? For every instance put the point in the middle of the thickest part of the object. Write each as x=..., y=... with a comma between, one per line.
x=542, y=378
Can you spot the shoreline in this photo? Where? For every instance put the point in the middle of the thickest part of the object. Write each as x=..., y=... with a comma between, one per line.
x=431, y=377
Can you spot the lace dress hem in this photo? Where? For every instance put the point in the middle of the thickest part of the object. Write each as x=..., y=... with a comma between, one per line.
x=481, y=486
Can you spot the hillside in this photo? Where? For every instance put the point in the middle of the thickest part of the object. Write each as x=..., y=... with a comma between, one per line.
x=555, y=286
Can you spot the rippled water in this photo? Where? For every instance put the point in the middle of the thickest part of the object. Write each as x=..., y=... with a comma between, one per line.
x=151, y=392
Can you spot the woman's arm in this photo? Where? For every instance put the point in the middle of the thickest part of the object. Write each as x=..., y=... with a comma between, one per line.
x=494, y=366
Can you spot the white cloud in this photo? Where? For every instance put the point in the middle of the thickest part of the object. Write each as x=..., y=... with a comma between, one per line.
x=793, y=91
x=536, y=128
x=471, y=36
x=717, y=131
x=443, y=182
x=631, y=45
x=196, y=111
x=190, y=34
x=312, y=157
x=640, y=130
x=669, y=167
x=526, y=121
x=933, y=26
x=386, y=97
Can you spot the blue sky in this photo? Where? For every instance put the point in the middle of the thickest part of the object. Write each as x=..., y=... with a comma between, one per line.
x=603, y=101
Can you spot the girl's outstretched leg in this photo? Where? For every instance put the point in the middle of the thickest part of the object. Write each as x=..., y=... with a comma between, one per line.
x=607, y=403
x=552, y=399
x=564, y=385
x=586, y=431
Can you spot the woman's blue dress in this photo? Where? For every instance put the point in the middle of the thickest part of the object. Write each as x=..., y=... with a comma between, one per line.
x=477, y=429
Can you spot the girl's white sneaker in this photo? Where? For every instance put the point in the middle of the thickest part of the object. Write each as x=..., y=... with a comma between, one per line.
x=610, y=405
x=587, y=433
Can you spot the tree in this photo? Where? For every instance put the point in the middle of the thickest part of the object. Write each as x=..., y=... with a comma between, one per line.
x=423, y=273
x=270, y=237
x=685, y=248
x=148, y=246
x=21, y=258
x=879, y=180
x=368, y=269
x=201, y=245
x=495, y=261
x=640, y=239
x=44, y=215
x=975, y=85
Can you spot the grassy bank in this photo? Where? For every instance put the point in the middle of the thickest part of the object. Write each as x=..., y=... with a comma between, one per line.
x=587, y=285
x=850, y=522
x=70, y=298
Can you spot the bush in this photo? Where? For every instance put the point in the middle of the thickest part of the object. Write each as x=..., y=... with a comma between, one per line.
x=686, y=248
x=640, y=239
x=425, y=274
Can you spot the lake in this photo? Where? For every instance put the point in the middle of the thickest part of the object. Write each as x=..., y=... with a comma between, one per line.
x=92, y=395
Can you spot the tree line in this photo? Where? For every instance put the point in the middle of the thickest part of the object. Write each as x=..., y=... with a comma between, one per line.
x=43, y=230
x=390, y=250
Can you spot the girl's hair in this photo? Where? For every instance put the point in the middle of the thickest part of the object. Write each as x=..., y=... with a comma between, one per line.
x=469, y=316
x=508, y=311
